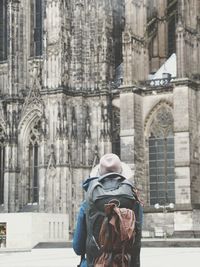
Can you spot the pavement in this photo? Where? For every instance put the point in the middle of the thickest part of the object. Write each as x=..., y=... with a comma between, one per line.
x=65, y=257
x=146, y=242
x=170, y=242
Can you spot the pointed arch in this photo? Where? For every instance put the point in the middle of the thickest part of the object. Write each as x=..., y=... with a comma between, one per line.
x=162, y=104
x=31, y=115
x=29, y=139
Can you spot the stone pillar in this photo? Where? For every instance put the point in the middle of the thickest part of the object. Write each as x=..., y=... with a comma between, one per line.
x=180, y=44
x=127, y=127
x=87, y=150
x=52, y=45
x=134, y=43
x=10, y=177
x=127, y=55
x=182, y=142
x=42, y=177
x=184, y=98
x=13, y=46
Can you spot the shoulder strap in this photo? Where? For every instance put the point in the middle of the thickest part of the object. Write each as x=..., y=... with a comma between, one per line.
x=111, y=175
x=98, y=182
x=123, y=179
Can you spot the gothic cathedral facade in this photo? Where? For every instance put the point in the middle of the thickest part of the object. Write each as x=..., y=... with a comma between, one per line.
x=80, y=78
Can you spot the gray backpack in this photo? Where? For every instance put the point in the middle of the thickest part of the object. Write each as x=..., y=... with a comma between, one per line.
x=110, y=188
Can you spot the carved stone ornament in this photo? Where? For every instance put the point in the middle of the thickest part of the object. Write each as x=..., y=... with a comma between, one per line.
x=87, y=123
x=127, y=36
x=164, y=117
x=51, y=168
x=34, y=135
x=74, y=123
x=34, y=97
x=105, y=126
x=162, y=124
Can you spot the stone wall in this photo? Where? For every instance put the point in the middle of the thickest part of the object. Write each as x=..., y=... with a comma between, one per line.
x=182, y=144
x=26, y=230
x=139, y=173
x=194, y=140
x=67, y=93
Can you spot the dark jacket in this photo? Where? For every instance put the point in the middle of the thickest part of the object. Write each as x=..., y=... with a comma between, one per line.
x=80, y=234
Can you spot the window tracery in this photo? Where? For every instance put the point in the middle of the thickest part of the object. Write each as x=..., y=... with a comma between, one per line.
x=161, y=158
x=33, y=147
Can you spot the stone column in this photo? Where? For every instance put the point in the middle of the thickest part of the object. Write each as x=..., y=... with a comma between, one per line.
x=10, y=177
x=13, y=46
x=182, y=149
x=127, y=127
x=42, y=176
x=182, y=142
x=180, y=44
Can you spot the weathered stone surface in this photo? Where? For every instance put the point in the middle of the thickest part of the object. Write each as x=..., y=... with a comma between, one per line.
x=83, y=97
x=182, y=148
x=181, y=116
x=182, y=185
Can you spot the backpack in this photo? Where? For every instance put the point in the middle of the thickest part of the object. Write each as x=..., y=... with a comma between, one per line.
x=110, y=221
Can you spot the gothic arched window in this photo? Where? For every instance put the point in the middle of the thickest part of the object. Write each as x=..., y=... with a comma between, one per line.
x=3, y=30
x=33, y=163
x=161, y=158
x=36, y=28
x=2, y=164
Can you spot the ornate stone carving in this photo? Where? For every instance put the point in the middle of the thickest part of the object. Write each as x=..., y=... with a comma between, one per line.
x=62, y=124
x=34, y=96
x=115, y=130
x=59, y=124
x=51, y=167
x=74, y=123
x=87, y=123
x=105, y=125
x=33, y=106
x=162, y=103
x=162, y=124
x=65, y=123
x=34, y=135
x=44, y=125
x=164, y=117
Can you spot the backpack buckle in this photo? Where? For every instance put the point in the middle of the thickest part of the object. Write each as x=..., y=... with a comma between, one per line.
x=115, y=201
